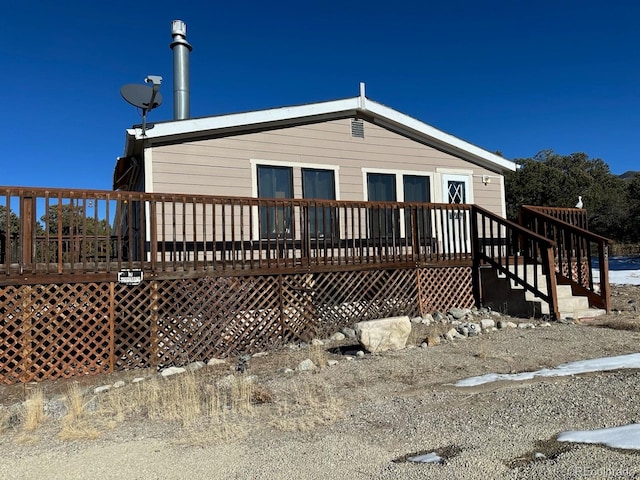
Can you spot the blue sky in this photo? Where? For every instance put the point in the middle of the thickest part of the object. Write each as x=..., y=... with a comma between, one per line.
x=517, y=77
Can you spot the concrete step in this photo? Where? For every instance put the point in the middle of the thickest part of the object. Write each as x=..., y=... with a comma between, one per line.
x=589, y=312
x=568, y=304
x=532, y=271
x=563, y=291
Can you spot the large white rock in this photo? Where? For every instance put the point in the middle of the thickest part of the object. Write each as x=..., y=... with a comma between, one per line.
x=487, y=323
x=169, y=371
x=216, y=361
x=383, y=334
x=306, y=365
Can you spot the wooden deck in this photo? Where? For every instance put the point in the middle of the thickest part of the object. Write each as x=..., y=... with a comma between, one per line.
x=62, y=233
x=226, y=276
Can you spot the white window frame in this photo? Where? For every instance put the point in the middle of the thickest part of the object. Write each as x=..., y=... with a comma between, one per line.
x=458, y=174
x=297, y=192
x=294, y=165
x=399, y=174
x=466, y=179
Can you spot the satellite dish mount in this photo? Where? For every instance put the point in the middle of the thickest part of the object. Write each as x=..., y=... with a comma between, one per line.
x=142, y=96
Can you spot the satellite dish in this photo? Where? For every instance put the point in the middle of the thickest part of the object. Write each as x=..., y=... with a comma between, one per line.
x=144, y=97
x=141, y=96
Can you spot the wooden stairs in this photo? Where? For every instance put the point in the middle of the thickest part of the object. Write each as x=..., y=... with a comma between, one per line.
x=570, y=305
x=512, y=262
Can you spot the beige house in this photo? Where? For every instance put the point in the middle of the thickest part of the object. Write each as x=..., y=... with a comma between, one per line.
x=350, y=149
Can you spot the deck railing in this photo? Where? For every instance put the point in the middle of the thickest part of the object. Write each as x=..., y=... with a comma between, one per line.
x=515, y=252
x=572, y=216
x=574, y=249
x=66, y=232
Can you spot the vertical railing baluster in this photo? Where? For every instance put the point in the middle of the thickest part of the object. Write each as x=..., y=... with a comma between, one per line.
x=153, y=237
x=194, y=216
x=59, y=232
x=213, y=218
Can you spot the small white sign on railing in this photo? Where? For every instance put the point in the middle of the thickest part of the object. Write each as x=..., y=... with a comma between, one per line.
x=130, y=277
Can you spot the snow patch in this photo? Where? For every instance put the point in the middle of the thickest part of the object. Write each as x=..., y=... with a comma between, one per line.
x=573, y=368
x=432, y=457
x=627, y=436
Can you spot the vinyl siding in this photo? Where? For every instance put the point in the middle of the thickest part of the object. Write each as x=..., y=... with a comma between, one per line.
x=222, y=166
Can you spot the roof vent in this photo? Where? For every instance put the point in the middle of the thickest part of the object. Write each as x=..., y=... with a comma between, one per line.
x=357, y=128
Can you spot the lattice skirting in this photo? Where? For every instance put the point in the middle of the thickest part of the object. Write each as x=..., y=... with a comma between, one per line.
x=53, y=331
x=442, y=288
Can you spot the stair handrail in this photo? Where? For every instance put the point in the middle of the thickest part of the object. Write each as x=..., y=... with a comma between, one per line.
x=573, y=247
x=504, y=245
x=574, y=216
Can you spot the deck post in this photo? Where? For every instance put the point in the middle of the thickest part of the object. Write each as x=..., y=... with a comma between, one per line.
x=605, y=289
x=475, y=247
x=549, y=264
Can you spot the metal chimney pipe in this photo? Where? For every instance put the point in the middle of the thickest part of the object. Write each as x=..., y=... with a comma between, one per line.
x=181, y=49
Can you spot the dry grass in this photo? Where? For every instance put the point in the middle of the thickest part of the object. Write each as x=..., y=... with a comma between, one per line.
x=27, y=439
x=206, y=408
x=5, y=419
x=78, y=430
x=75, y=425
x=75, y=401
x=307, y=407
x=184, y=399
x=241, y=394
x=33, y=415
x=318, y=355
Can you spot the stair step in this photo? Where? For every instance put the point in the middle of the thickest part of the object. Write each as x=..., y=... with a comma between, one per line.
x=562, y=291
x=589, y=312
x=568, y=305
x=530, y=269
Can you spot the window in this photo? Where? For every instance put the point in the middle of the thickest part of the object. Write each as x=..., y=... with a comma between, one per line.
x=382, y=188
x=417, y=220
x=275, y=182
x=320, y=184
x=416, y=188
x=456, y=191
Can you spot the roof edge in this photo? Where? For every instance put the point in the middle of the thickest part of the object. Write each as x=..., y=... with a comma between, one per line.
x=380, y=114
x=443, y=139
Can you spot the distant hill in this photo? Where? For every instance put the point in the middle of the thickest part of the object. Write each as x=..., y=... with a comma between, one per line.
x=629, y=175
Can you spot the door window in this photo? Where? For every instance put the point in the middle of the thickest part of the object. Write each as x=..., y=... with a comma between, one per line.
x=456, y=191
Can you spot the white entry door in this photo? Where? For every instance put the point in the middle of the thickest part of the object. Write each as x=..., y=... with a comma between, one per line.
x=456, y=190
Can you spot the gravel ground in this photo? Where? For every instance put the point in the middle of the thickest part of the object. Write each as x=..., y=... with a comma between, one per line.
x=390, y=406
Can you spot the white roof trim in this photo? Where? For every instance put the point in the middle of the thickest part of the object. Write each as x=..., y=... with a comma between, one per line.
x=381, y=114
x=442, y=138
x=199, y=125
